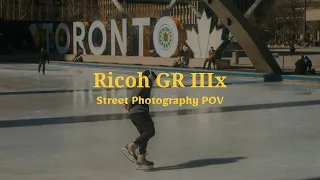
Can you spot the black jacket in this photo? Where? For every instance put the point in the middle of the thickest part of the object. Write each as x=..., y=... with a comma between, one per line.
x=144, y=93
x=42, y=57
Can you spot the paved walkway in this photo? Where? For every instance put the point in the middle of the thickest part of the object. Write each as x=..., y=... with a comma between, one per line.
x=51, y=128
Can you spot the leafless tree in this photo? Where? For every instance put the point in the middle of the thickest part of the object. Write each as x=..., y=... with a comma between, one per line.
x=283, y=17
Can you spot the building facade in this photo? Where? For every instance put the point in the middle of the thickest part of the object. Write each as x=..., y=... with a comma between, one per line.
x=243, y=5
x=141, y=8
x=84, y=10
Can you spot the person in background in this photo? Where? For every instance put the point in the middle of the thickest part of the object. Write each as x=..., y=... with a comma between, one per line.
x=186, y=55
x=301, y=66
x=210, y=59
x=292, y=48
x=42, y=61
x=181, y=57
x=308, y=63
x=78, y=57
x=178, y=62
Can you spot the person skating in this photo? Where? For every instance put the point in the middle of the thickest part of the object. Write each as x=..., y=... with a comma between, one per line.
x=140, y=117
x=42, y=61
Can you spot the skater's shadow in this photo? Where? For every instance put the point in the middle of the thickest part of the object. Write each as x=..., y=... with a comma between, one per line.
x=315, y=178
x=199, y=163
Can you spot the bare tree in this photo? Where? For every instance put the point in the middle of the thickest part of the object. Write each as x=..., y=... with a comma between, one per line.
x=294, y=16
x=283, y=18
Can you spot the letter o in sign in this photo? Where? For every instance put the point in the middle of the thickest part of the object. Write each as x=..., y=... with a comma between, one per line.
x=64, y=27
x=165, y=37
x=100, y=26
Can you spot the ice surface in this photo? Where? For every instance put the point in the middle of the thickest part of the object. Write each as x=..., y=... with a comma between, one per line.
x=52, y=129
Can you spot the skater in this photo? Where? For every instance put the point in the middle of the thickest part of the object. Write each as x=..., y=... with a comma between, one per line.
x=140, y=117
x=42, y=61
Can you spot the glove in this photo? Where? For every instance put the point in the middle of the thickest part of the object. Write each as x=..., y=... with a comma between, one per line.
x=125, y=106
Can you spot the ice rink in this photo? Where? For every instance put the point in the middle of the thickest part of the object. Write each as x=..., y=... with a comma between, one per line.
x=51, y=128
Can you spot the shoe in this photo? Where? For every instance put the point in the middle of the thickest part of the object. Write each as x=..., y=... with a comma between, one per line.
x=141, y=161
x=131, y=147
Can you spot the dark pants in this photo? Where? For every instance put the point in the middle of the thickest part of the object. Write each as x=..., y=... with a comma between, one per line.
x=186, y=59
x=145, y=126
x=210, y=61
x=42, y=64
